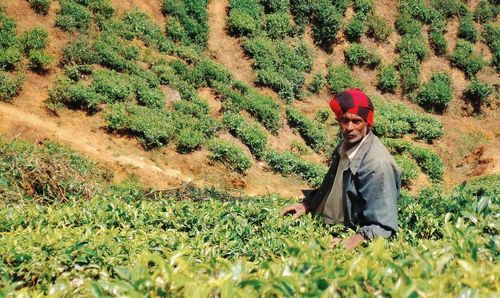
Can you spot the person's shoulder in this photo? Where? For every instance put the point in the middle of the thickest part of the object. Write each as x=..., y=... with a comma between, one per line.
x=377, y=153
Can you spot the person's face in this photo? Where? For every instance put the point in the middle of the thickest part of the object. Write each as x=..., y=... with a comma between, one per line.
x=353, y=128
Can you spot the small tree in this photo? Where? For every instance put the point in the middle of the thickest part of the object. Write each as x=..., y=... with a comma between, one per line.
x=477, y=93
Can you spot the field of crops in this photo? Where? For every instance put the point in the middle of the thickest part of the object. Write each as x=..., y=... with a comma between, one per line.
x=73, y=236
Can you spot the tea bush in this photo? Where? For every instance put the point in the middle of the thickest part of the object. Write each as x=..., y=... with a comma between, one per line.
x=316, y=84
x=153, y=127
x=10, y=54
x=409, y=71
x=358, y=55
x=485, y=11
x=436, y=93
x=466, y=29
x=40, y=6
x=438, y=42
x=250, y=134
x=340, y=78
x=189, y=139
x=245, y=17
x=111, y=53
x=313, y=133
x=9, y=58
x=491, y=35
x=276, y=6
x=10, y=85
x=288, y=163
x=40, y=61
x=73, y=16
x=327, y=22
x=465, y=59
x=378, y=28
x=409, y=168
x=356, y=27
x=206, y=72
x=388, y=79
x=413, y=45
x=407, y=25
x=187, y=21
x=77, y=96
x=149, y=96
x=365, y=7
x=141, y=26
x=450, y=8
x=278, y=25
x=302, y=10
x=114, y=86
x=322, y=115
x=230, y=155
x=34, y=39
x=79, y=51
x=477, y=93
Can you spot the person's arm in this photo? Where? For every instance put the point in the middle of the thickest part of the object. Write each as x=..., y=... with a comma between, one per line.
x=379, y=186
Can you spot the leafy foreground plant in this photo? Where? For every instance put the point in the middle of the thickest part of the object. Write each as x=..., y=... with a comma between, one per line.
x=127, y=244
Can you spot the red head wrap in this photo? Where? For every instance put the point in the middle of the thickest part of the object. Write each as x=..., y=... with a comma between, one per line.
x=353, y=101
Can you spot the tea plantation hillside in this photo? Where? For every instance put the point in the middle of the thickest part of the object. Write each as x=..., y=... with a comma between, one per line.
x=146, y=148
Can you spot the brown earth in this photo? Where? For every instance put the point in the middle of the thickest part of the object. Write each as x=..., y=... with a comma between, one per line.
x=475, y=138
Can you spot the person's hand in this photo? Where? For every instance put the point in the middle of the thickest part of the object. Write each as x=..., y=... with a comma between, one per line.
x=335, y=242
x=296, y=209
x=353, y=241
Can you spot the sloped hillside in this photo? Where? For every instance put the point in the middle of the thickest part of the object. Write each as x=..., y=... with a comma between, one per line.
x=234, y=93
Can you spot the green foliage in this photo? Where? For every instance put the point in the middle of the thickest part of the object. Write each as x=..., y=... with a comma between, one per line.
x=111, y=52
x=355, y=28
x=491, y=35
x=189, y=139
x=450, y=8
x=250, y=134
x=464, y=58
x=153, y=127
x=73, y=16
x=40, y=6
x=436, y=93
x=388, y=79
x=34, y=39
x=274, y=6
x=46, y=174
x=364, y=6
x=280, y=65
x=467, y=29
x=358, y=55
x=485, y=11
x=327, y=22
x=77, y=72
x=313, y=133
x=9, y=45
x=9, y=58
x=317, y=83
x=322, y=115
x=245, y=17
x=40, y=61
x=78, y=96
x=278, y=25
x=477, y=93
x=230, y=155
x=302, y=10
x=340, y=78
x=409, y=70
x=378, y=28
x=413, y=45
x=142, y=26
x=10, y=85
x=409, y=168
x=394, y=120
x=149, y=96
x=112, y=85
x=79, y=51
x=417, y=9
x=187, y=21
x=438, y=42
x=206, y=73
x=429, y=161
x=288, y=163
x=407, y=25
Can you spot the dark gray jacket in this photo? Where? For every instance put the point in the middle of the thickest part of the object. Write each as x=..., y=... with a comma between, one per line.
x=371, y=187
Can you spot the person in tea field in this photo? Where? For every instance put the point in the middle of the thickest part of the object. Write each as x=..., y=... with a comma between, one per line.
x=362, y=185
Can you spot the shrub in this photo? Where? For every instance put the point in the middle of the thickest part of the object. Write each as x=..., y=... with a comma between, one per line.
x=153, y=127
x=8, y=37
x=450, y=8
x=485, y=11
x=76, y=72
x=413, y=45
x=327, y=23
x=491, y=35
x=206, y=72
x=189, y=19
x=358, y=55
x=409, y=168
x=313, y=134
x=249, y=134
x=409, y=70
x=142, y=26
x=79, y=51
x=278, y=25
x=230, y=155
x=302, y=10
x=34, y=39
x=438, y=42
x=378, y=28
x=73, y=16
x=9, y=85
x=77, y=96
x=407, y=25
x=149, y=96
x=264, y=109
x=417, y=9
x=322, y=116
x=114, y=86
x=241, y=23
x=9, y=58
x=340, y=78
x=355, y=28
x=388, y=79
x=40, y=6
x=467, y=30
x=317, y=83
x=274, y=6
x=464, y=58
x=39, y=60
x=189, y=139
x=437, y=93
x=364, y=6
x=288, y=163
x=477, y=93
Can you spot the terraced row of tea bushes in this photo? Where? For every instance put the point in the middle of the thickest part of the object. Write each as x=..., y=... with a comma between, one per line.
x=124, y=244
x=187, y=21
x=313, y=133
x=280, y=62
x=339, y=78
x=250, y=134
x=396, y=120
x=359, y=55
x=491, y=35
x=78, y=16
x=288, y=163
x=230, y=155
